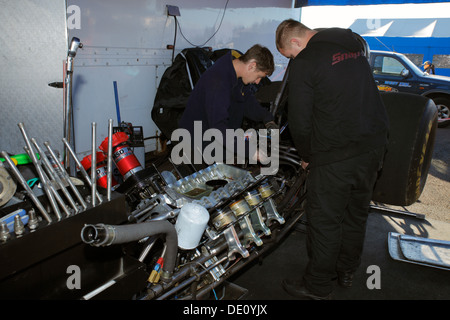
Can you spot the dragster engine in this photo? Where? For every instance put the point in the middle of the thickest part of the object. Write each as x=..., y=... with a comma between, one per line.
x=155, y=234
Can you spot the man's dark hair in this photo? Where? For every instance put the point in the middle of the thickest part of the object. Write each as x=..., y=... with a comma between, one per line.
x=262, y=56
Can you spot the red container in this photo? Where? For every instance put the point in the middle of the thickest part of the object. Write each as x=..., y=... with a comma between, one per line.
x=101, y=169
x=123, y=155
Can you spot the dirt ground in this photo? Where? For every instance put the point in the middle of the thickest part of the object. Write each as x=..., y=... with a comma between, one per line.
x=434, y=202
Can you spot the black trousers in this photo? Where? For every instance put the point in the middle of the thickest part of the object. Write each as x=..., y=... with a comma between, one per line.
x=338, y=199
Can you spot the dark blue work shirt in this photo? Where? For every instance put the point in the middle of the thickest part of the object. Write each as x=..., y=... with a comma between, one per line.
x=220, y=100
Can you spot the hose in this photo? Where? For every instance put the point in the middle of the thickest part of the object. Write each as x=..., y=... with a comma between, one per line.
x=105, y=235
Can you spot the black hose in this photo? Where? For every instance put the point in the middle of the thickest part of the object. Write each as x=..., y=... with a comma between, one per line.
x=105, y=235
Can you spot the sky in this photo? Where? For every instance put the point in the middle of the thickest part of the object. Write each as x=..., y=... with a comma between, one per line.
x=345, y=16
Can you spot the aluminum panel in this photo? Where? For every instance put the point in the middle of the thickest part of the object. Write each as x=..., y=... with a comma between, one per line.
x=33, y=47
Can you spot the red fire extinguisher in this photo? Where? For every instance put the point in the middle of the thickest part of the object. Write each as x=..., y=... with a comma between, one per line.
x=100, y=169
x=122, y=154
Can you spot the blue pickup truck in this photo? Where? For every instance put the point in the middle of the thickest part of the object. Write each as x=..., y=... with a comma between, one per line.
x=394, y=72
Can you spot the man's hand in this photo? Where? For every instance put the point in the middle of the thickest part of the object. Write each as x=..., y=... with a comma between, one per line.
x=271, y=125
x=304, y=165
x=260, y=156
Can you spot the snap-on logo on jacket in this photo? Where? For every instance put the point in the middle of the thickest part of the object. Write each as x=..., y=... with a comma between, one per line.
x=339, y=57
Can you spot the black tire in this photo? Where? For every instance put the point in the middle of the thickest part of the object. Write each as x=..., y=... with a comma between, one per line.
x=413, y=123
x=443, y=107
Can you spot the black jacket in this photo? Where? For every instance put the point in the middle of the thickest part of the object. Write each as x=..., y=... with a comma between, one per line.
x=335, y=110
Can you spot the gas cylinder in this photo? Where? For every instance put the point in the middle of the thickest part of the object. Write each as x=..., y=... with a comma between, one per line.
x=102, y=179
x=122, y=154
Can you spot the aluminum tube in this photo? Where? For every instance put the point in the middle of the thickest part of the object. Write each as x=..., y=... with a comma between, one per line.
x=109, y=161
x=66, y=176
x=68, y=106
x=40, y=172
x=82, y=170
x=288, y=148
x=54, y=174
x=289, y=159
x=192, y=279
x=175, y=167
x=57, y=198
x=148, y=247
x=68, y=117
x=94, y=164
x=137, y=213
x=408, y=213
x=292, y=153
x=66, y=159
x=27, y=188
x=274, y=107
x=159, y=174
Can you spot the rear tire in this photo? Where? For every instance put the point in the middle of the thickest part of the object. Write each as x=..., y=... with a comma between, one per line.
x=413, y=123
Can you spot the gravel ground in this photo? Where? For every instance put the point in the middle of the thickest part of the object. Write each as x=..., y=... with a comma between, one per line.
x=434, y=202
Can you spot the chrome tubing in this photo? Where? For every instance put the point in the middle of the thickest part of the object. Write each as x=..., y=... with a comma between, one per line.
x=27, y=188
x=53, y=174
x=48, y=182
x=40, y=172
x=94, y=164
x=68, y=103
x=80, y=166
x=109, y=161
x=66, y=176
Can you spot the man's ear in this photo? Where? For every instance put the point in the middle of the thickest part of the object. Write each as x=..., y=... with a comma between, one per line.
x=251, y=66
x=295, y=42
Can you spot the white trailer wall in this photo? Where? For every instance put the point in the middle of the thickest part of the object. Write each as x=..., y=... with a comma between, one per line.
x=124, y=41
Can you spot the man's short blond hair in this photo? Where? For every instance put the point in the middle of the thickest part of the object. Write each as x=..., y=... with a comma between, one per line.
x=288, y=29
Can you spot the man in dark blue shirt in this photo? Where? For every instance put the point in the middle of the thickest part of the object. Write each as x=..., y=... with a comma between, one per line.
x=222, y=98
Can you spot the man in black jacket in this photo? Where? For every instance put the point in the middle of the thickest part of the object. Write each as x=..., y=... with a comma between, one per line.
x=339, y=126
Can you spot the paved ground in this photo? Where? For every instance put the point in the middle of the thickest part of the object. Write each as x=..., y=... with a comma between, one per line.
x=399, y=280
